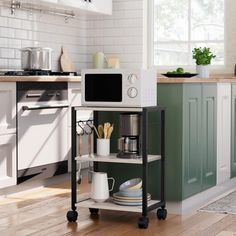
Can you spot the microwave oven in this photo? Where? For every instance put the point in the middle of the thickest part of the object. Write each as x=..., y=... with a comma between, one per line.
x=119, y=87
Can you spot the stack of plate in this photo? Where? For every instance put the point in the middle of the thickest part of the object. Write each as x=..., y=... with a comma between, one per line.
x=130, y=193
x=120, y=199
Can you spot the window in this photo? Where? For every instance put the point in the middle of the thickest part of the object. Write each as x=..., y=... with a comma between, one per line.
x=180, y=25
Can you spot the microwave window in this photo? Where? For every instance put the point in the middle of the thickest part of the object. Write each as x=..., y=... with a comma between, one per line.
x=103, y=87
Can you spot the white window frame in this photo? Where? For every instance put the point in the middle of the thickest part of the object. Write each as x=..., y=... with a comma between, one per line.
x=151, y=43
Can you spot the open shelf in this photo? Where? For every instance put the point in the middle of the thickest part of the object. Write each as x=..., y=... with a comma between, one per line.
x=109, y=205
x=114, y=159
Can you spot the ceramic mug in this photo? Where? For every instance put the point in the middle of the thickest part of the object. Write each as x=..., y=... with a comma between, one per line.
x=99, y=188
x=99, y=60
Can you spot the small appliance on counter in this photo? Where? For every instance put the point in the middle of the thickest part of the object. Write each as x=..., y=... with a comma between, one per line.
x=129, y=145
x=119, y=88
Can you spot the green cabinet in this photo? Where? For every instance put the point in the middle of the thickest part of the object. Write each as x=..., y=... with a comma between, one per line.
x=190, y=137
x=233, y=132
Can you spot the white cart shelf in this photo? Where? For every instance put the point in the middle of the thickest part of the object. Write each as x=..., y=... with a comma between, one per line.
x=109, y=205
x=114, y=159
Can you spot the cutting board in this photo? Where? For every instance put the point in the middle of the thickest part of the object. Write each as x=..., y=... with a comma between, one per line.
x=66, y=63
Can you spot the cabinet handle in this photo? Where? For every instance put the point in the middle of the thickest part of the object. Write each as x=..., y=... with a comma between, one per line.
x=30, y=108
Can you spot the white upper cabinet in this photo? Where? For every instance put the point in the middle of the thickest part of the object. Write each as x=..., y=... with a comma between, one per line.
x=94, y=6
x=100, y=6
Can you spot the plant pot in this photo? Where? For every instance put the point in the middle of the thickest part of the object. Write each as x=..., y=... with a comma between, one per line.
x=203, y=71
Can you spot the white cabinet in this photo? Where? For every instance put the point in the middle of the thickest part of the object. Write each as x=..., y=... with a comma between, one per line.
x=100, y=6
x=223, y=131
x=8, y=108
x=96, y=6
x=7, y=134
x=7, y=160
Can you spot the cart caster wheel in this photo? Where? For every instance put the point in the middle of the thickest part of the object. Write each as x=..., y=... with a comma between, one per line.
x=143, y=222
x=93, y=211
x=161, y=214
x=72, y=216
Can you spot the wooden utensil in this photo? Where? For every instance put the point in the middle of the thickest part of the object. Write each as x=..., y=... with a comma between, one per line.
x=100, y=131
x=96, y=131
x=106, y=127
x=110, y=130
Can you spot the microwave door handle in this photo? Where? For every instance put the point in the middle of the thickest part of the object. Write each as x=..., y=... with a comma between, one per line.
x=31, y=108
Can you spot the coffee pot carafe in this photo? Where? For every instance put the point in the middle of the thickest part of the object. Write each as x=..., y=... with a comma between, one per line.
x=129, y=144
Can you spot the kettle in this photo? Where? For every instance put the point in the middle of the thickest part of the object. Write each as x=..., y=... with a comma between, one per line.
x=99, y=188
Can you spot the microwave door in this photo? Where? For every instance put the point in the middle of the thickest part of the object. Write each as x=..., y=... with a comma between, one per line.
x=103, y=88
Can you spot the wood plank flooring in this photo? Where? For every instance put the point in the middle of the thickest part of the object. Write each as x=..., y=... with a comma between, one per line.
x=42, y=212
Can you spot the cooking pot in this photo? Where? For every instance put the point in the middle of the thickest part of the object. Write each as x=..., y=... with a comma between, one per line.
x=36, y=58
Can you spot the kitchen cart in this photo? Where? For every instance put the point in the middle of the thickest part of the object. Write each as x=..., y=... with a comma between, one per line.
x=147, y=206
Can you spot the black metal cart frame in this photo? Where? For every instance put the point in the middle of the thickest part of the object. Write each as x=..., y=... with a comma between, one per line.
x=160, y=206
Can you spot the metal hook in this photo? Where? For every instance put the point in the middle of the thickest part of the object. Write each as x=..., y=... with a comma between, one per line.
x=82, y=129
x=88, y=123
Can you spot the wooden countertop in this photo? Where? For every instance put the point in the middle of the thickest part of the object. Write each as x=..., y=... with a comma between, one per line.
x=40, y=78
x=226, y=78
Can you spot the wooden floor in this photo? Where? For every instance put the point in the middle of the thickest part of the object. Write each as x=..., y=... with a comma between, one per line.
x=42, y=212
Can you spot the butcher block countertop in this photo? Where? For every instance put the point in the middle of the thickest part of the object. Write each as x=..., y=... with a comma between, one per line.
x=40, y=78
x=226, y=78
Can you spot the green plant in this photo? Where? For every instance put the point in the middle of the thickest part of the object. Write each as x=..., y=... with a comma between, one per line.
x=203, y=56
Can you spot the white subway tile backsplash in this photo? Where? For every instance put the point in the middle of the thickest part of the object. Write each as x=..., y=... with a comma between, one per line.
x=7, y=32
x=3, y=63
x=29, y=29
x=21, y=34
x=14, y=43
x=120, y=34
x=7, y=53
x=3, y=21
x=3, y=42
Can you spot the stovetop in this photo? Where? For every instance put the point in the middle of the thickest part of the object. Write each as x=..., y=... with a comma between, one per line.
x=37, y=73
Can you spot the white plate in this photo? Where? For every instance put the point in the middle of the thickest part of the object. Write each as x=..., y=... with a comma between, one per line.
x=124, y=203
x=131, y=193
x=118, y=197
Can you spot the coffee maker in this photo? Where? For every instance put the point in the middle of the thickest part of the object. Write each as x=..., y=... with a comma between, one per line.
x=129, y=144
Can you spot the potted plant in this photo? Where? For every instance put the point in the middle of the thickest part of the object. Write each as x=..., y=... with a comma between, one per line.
x=203, y=57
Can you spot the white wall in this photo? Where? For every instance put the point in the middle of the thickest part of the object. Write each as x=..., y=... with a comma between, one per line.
x=121, y=34
x=230, y=35
x=25, y=29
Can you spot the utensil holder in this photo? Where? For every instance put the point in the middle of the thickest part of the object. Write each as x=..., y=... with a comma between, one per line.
x=103, y=147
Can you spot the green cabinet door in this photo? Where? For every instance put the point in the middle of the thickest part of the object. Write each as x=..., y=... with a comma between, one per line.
x=208, y=146
x=192, y=113
x=233, y=132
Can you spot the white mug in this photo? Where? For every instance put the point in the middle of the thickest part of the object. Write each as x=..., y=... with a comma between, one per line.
x=99, y=189
x=103, y=147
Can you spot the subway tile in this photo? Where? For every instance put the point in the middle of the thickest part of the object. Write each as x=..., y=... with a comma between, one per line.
x=7, y=53
x=3, y=63
x=14, y=23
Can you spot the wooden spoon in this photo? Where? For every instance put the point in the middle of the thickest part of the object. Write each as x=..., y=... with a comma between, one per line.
x=110, y=130
x=100, y=131
x=96, y=131
x=106, y=127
